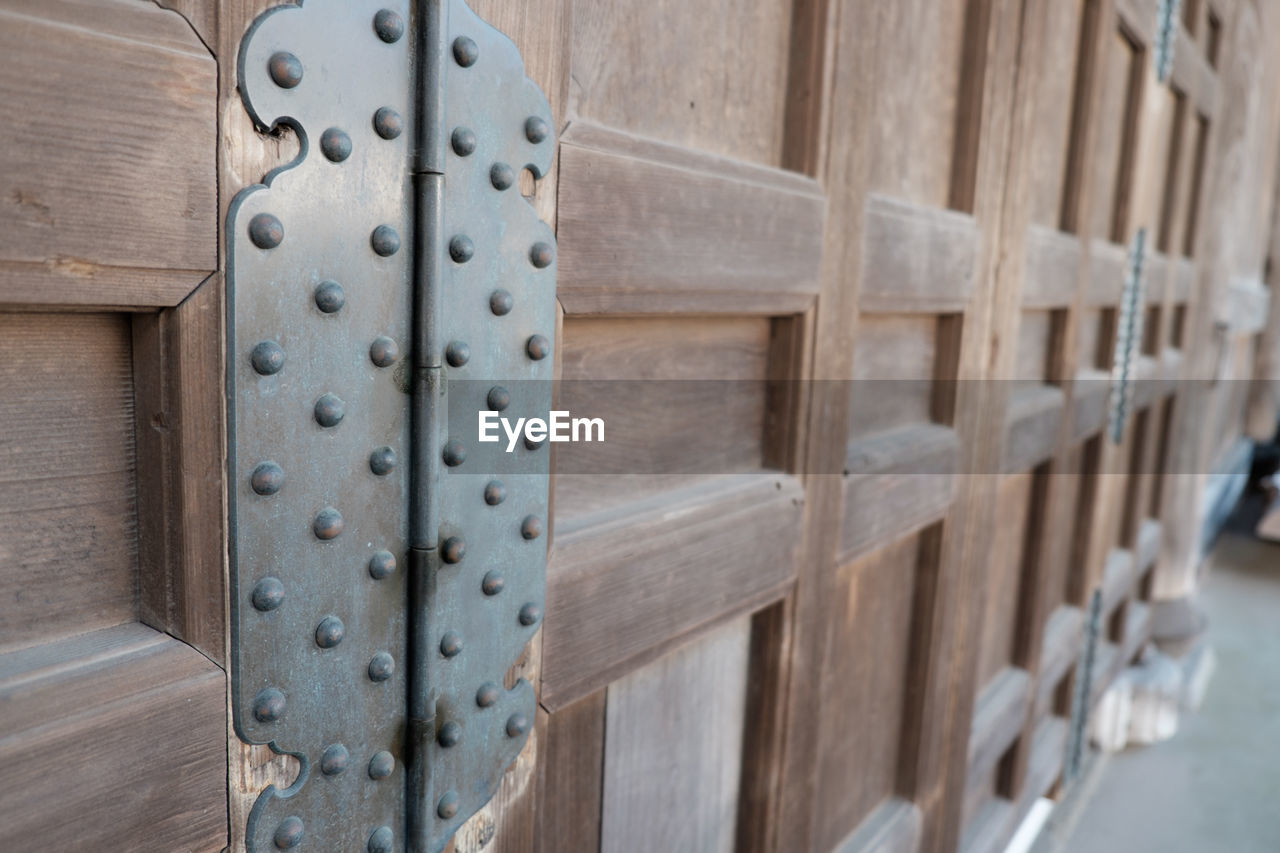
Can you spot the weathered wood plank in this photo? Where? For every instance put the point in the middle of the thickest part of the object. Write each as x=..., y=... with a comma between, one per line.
x=894, y=827
x=916, y=259
x=571, y=777
x=1032, y=422
x=997, y=720
x=1053, y=268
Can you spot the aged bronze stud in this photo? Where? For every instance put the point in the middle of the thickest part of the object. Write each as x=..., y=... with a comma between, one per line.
x=268, y=705
x=381, y=765
x=457, y=353
x=499, y=398
x=453, y=549
x=382, y=461
x=454, y=453
x=501, y=176
x=288, y=833
x=530, y=614
x=541, y=255
x=382, y=565
x=330, y=632
x=492, y=583
x=450, y=734
x=461, y=249
x=531, y=527
x=328, y=524
x=330, y=297
x=335, y=144
x=500, y=302
x=266, y=231
x=536, y=130
x=532, y=444
x=268, y=594
x=538, y=347
x=381, y=667
x=465, y=51
x=334, y=760
x=285, y=69
x=463, y=141
x=448, y=806
x=388, y=25
x=517, y=724
x=267, y=358
x=330, y=410
x=383, y=840
x=450, y=644
x=487, y=694
x=387, y=123
x=385, y=241
x=494, y=492
x=383, y=351
x=267, y=478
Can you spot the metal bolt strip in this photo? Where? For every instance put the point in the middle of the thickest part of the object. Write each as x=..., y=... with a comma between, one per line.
x=1129, y=328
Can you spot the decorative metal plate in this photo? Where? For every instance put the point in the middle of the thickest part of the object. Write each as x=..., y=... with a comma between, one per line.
x=1129, y=326
x=383, y=585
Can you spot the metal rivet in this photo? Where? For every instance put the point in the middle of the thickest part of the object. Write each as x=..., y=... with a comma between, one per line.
x=517, y=724
x=381, y=565
x=267, y=478
x=530, y=614
x=450, y=734
x=536, y=130
x=454, y=453
x=531, y=527
x=448, y=806
x=381, y=765
x=388, y=25
x=499, y=398
x=330, y=297
x=266, y=231
x=335, y=144
x=494, y=492
x=285, y=69
x=538, y=347
x=541, y=255
x=383, y=840
x=387, y=123
x=501, y=176
x=461, y=249
x=465, y=52
x=532, y=444
x=464, y=141
x=381, y=667
x=328, y=523
x=492, y=583
x=268, y=705
x=267, y=358
x=330, y=410
x=330, y=632
x=500, y=302
x=289, y=833
x=385, y=241
x=268, y=594
x=382, y=461
x=487, y=694
x=450, y=644
x=457, y=353
x=383, y=351
x=334, y=760
x=453, y=549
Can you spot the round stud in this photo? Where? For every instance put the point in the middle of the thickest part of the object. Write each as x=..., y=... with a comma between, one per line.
x=382, y=565
x=499, y=398
x=531, y=444
x=454, y=453
x=531, y=527
x=335, y=144
x=381, y=765
x=334, y=760
x=285, y=69
x=382, y=461
x=381, y=667
x=538, y=347
x=517, y=724
x=463, y=141
x=328, y=524
x=487, y=694
x=385, y=241
x=541, y=255
x=330, y=410
x=387, y=123
x=536, y=130
x=502, y=176
x=465, y=51
x=453, y=549
x=383, y=840
x=268, y=594
x=447, y=808
x=388, y=25
x=450, y=734
x=288, y=833
x=492, y=583
x=383, y=351
x=330, y=632
x=494, y=492
x=461, y=249
x=266, y=231
x=500, y=302
x=267, y=478
x=457, y=353
x=268, y=705
x=530, y=614
x=330, y=297
x=267, y=358
x=450, y=644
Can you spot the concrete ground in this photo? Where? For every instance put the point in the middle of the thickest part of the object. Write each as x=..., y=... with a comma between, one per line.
x=1215, y=786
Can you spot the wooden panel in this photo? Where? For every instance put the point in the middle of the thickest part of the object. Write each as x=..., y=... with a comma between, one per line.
x=69, y=556
x=916, y=259
x=1034, y=419
x=672, y=757
x=894, y=827
x=571, y=765
x=1004, y=575
x=1051, y=124
x=106, y=154
x=1063, y=637
x=1108, y=263
x=894, y=364
x=1121, y=71
x=623, y=583
x=998, y=716
x=127, y=729
x=1053, y=266
x=696, y=234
